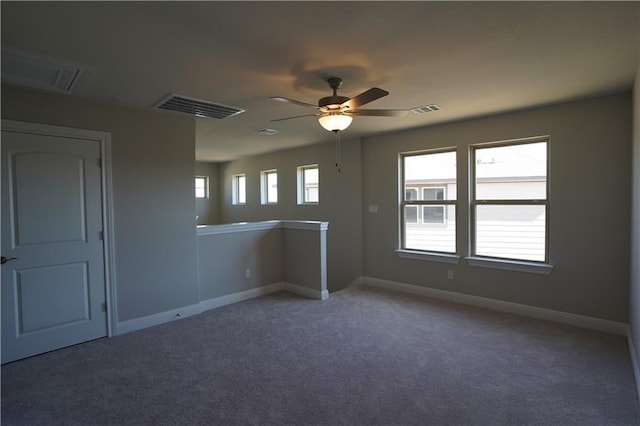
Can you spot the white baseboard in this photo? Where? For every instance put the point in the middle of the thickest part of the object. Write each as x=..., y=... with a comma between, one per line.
x=216, y=302
x=241, y=296
x=634, y=362
x=499, y=305
x=157, y=319
x=306, y=292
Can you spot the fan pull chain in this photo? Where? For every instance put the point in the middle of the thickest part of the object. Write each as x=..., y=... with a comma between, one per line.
x=337, y=132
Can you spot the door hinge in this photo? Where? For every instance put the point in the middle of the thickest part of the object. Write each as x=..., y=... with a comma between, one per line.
x=103, y=306
x=100, y=162
x=101, y=235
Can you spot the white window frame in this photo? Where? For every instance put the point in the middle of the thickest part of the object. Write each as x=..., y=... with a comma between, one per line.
x=264, y=186
x=483, y=260
x=442, y=207
x=206, y=186
x=239, y=188
x=403, y=203
x=302, y=185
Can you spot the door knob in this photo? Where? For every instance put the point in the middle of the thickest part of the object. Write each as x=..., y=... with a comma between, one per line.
x=4, y=260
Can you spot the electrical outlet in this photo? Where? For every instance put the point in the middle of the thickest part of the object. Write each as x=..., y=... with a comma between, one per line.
x=247, y=273
x=450, y=275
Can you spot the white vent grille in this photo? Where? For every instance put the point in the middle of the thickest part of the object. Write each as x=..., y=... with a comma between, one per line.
x=197, y=107
x=267, y=132
x=37, y=72
x=425, y=108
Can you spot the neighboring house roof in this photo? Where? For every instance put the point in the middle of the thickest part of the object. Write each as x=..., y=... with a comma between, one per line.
x=524, y=162
x=518, y=161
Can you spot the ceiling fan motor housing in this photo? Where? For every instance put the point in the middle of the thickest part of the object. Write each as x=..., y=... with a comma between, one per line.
x=332, y=101
x=342, y=106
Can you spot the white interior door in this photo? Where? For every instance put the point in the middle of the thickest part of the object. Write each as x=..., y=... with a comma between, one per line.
x=53, y=292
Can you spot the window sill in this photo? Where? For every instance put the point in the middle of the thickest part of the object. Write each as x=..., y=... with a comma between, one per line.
x=510, y=265
x=435, y=257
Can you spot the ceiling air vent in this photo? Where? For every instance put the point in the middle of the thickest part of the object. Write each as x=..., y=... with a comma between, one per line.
x=197, y=107
x=268, y=132
x=425, y=108
x=37, y=72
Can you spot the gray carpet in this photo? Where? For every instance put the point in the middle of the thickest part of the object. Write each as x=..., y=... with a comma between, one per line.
x=365, y=356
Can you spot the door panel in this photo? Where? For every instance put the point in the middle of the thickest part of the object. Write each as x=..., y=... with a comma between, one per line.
x=42, y=305
x=54, y=292
x=30, y=175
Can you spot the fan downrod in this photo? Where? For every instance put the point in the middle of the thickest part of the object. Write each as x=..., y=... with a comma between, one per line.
x=334, y=83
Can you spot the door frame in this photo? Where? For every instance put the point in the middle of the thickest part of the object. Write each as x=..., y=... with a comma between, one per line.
x=108, y=240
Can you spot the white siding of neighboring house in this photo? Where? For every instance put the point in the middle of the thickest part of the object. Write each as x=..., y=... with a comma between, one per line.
x=514, y=190
x=433, y=236
x=518, y=232
x=515, y=231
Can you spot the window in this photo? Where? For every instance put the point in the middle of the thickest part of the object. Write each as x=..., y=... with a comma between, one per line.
x=202, y=187
x=239, y=189
x=308, y=184
x=411, y=194
x=509, y=204
x=428, y=209
x=433, y=214
x=435, y=193
x=269, y=186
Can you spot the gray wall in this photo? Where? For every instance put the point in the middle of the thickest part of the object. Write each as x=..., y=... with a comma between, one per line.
x=208, y=209
x=279, y=253
x=153, y=171
x=223, y=259
x=153, y=167
x=589, y=212
x=634, y=297
x=303, y=252
x=340, y=200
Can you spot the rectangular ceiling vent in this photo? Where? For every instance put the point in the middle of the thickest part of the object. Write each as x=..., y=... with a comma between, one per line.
x=268, y=132
x=197, y=107
x=425, y=108
x=37, y=72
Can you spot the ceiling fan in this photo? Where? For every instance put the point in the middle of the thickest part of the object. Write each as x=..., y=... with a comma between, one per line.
x=336, y=112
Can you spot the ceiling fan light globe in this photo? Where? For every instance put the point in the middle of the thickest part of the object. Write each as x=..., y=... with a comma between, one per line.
x=335, y=122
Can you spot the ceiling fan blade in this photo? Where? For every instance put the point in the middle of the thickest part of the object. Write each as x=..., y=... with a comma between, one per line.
x=297, y=116
x=364, y=98
x=291, y=101
x=379, y=112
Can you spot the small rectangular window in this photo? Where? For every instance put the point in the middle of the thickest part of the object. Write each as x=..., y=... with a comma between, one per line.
x=308, y=184
x=411, y=214
x=269, y=186
x=429, y=205
x=509, y=205
x=202, y=187
x=433, y=214
x=436, y=193
x=239, y=189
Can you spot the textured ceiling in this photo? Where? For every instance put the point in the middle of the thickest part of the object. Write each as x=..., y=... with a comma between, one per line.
x=469, y=58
